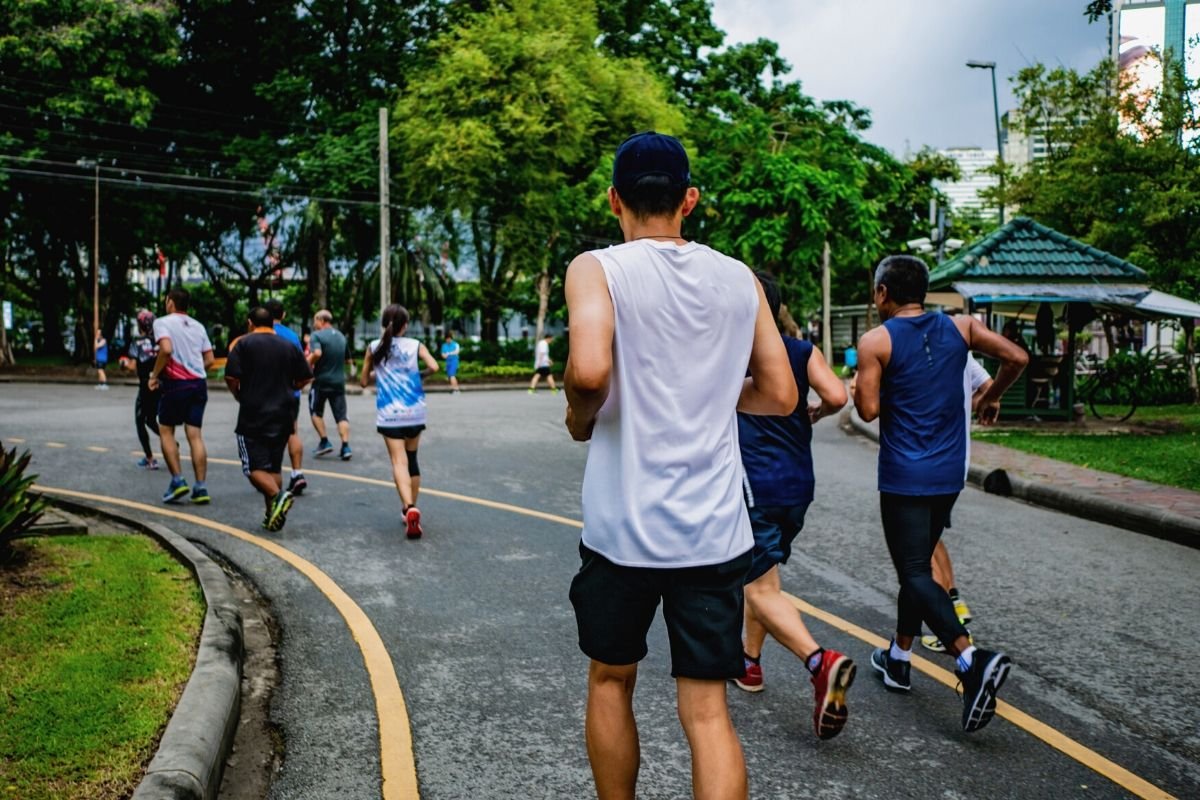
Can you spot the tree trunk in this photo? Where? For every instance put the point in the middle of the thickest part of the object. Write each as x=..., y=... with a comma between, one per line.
x=543, y=287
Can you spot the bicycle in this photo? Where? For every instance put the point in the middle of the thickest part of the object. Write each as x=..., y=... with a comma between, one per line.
x=1113, y=389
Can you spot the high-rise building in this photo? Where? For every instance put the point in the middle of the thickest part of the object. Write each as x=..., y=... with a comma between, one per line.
x=972, y=161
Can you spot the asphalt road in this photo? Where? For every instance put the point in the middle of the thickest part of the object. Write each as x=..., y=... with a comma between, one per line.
x=1101, y=623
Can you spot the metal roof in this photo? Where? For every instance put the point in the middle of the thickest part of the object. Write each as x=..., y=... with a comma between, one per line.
x=1024, y=250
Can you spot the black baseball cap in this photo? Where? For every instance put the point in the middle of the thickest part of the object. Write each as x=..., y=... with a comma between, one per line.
x=650, y=153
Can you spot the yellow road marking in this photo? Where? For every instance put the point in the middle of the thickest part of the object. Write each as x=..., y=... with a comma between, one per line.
x=395, y=736
x=462, y=498
x=97, y=449
x=15, y=439
x=55, y=445
x=1059, y=741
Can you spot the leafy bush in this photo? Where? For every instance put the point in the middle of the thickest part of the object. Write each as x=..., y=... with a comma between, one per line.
x=18, y=508
x=1155, y=380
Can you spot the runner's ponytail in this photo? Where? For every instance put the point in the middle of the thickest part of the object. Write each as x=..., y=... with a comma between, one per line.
x=394, y=320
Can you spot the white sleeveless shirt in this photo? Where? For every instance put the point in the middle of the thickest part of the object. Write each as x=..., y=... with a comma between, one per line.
x=663, y=482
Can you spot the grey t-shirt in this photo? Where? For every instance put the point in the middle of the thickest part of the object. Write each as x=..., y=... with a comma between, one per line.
x=330, y=370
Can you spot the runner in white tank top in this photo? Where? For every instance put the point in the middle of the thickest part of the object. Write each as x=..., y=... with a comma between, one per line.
x=662, y=333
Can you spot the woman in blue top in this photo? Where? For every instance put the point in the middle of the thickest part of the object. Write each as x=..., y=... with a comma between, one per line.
x=394, y=360
x=450, y=351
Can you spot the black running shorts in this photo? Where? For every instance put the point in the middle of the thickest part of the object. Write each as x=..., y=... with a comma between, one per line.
x=261, y=453
x=702, y=607
x=317, y=396
x=401, y=432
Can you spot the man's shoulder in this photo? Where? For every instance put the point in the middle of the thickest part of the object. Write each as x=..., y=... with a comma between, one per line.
x=874, y=340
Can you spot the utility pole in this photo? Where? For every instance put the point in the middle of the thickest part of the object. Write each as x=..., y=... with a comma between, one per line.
x=385, y=243
x=826, y=334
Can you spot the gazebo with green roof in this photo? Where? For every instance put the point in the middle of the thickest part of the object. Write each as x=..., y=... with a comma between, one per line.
x=1025, y=270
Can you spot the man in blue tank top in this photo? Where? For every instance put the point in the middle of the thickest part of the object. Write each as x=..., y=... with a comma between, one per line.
x=777, y=459
x=910, y=376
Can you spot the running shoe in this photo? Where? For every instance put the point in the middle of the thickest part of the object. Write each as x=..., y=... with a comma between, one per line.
x=932, y=642
x=200, y=496
x=964, y=613
x=177, y=489
x=752, y=678
x=148, y=464
x=297, y=485
x=323, y=448
x=102, y=387
x=277, y=516
x=531, y=391
x=346, y=453
x=830, y=684
x=980, y=683
x=412, y=523
x=896, y=674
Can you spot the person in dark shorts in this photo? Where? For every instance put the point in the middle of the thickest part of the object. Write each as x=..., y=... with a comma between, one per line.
x=542, y=365
x=327, y=357
x=777, y=458
x=141, y=357
x=654, y=388
x=180, y=373
x=910, y=376
x=394, y=362
x=262, y=372
x=297, y=483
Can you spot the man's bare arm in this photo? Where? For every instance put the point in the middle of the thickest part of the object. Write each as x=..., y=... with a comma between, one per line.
x=1012, y=360
x=235, y=387
x=829, y=388
x=771, y=387
x=874, y=349
x=591, y=320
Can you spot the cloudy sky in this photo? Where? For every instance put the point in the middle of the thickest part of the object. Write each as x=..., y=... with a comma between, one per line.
x=904, y=59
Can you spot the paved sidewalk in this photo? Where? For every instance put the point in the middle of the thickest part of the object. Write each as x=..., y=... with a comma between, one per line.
x=1166, y=512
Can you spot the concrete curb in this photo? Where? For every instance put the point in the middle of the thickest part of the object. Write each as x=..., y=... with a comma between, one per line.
x=191, y=754
x=1140, y=519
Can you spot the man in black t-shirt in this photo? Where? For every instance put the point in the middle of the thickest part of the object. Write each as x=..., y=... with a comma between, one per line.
x=263, y=371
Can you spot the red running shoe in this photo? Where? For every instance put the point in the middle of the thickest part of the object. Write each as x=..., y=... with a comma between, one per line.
x=412, y=523
x=831, y=682
x=751, y=680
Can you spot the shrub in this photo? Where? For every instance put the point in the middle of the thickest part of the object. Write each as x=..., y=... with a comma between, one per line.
x=18, y=508
x=1156, y=381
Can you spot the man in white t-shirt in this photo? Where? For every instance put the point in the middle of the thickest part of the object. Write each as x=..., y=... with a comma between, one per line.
x=542, y=365
x=181, y=370
x=662, y=333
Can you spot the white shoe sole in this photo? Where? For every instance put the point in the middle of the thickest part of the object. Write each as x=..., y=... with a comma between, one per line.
x=983, y=706
x=887, y=679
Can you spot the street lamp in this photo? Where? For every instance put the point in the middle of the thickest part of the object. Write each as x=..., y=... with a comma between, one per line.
x=85, y=163
x=991, y=65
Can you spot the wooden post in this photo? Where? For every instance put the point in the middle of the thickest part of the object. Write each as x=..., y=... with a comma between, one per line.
x=385, y=244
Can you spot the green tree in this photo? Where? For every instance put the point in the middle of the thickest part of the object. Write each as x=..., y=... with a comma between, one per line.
x=505, y=125
x=1123, y=170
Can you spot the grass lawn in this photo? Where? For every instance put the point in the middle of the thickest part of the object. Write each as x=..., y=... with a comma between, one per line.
x=1169, y=454
x=97, y=639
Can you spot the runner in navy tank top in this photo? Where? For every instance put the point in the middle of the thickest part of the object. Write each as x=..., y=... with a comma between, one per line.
x=911, y=377
x=777, y=459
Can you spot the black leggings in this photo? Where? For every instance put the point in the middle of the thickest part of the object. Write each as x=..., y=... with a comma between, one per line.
x=912, y=527
x=145, y=415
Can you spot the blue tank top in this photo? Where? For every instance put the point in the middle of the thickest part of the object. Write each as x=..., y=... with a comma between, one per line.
x=922, y=428
x=777, y=451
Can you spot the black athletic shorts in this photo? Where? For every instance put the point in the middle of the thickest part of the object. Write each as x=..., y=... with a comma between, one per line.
x=337, y=402
x=261, y=453
x=402, y=432
x=543, y=371
x=182, y=402
x=702, y=606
